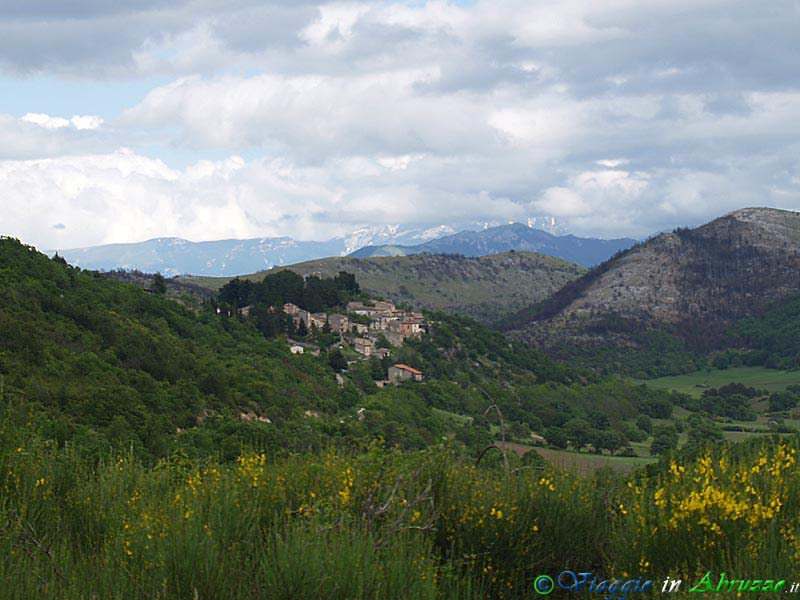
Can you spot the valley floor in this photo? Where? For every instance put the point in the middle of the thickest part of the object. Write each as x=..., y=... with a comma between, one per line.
x=695, y=383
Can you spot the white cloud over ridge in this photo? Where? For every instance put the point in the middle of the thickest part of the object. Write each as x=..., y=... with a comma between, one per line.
x=616, y=117
x=122, y=197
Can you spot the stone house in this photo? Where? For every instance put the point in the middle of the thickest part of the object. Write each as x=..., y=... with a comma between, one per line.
x=407, y=327
x=339, y=323
x=383, y=322
x=394, y=338
x=317, y=320
x=363, y=346
x=291, y=309
x=400, y=372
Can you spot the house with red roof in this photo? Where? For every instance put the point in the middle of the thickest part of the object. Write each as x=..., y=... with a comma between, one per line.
x=400, y=372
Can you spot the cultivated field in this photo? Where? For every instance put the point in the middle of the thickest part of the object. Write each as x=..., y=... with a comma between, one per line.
x=770, y=380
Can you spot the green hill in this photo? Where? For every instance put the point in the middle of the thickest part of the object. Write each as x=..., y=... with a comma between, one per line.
x=486, y=288
x=105, y=363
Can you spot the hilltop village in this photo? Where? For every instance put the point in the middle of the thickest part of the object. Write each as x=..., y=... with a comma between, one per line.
x=370, y=328
x=330, y=314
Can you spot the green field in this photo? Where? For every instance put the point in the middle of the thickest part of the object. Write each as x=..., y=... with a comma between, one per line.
x=585, y=464
x=757, y=377
x=582, y=463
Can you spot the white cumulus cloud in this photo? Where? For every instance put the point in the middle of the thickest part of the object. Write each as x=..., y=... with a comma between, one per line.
x=79, y=122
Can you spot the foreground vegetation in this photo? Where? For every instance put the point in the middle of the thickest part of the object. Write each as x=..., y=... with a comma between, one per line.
x=379, y=523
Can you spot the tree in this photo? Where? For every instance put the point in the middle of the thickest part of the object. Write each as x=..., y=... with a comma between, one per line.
x=382, y=342
x=280, y=288
x=701, y=432
x=376, y=368
x=159, y=286
x=520, y=431
x=337, y=361
x=302, y=330
x=658, y=408
x=291, y=329
x=780, y=401
x=610, y=440
x=665, y=439
x=578, y=432
x=556, y=437
x=236, y=292
x=644, y=423
x=633, y=433
x=347, y=283
x=268, y=321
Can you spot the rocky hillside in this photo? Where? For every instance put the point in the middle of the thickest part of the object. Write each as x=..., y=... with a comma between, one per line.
x=487, y=288
x=692, y=282
x=586, y=252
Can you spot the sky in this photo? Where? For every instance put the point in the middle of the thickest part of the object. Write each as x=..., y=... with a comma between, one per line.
x=212, y=119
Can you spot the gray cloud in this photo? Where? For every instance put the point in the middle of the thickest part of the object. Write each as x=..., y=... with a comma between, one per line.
x=617, y=117
x=75, y=9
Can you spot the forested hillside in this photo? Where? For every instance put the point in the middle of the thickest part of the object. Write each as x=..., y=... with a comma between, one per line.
x=101, y=362
x=771, y=340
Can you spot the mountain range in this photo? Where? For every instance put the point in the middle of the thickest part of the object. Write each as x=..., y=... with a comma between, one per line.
x=586, y=252
x=176, y=256
x=228, y=258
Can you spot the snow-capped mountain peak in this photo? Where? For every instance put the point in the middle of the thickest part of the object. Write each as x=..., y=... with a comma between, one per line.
x=175, y=256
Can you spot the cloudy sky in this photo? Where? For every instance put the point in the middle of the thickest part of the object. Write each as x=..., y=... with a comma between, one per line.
x=210, y=119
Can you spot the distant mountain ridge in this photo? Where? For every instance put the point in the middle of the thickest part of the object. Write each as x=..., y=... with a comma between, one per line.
x=692, y=282
x=586, y=252
x=175, y=256
x=227, y=258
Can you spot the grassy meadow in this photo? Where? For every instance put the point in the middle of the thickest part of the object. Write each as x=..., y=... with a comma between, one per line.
x=695, y=383
x=587, y=464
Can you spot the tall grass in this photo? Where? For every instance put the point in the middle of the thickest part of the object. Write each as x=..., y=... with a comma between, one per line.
x=380, y=524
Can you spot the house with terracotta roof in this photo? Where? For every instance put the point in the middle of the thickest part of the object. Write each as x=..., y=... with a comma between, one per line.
x=401, y=372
